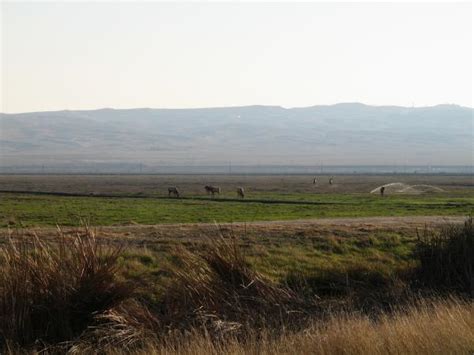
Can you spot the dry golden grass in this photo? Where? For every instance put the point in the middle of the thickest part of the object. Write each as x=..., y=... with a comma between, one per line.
x=443, y=327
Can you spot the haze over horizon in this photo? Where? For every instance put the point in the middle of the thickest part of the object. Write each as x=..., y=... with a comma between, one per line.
x=237, y=106
x=81, y=56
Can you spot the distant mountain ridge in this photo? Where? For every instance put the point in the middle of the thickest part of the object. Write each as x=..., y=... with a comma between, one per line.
x=346, y=133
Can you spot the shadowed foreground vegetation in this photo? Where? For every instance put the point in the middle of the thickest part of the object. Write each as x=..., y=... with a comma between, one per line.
x=76, y=294
x=435, y=328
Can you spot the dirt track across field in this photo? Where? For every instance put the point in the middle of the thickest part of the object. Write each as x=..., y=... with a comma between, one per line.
x=275, y=230
x=405, y=221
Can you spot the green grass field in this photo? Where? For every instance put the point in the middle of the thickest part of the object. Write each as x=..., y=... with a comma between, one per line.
x=47, y=210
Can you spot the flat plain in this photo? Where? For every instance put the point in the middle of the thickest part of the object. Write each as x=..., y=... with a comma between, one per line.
x=142, y=199
x=285, y=222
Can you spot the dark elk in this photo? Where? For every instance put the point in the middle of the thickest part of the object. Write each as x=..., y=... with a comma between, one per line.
x=212, y=190
x=241, y=192
x=173, y=190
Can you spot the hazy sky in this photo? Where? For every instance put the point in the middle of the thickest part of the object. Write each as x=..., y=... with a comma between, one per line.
x=93, y=55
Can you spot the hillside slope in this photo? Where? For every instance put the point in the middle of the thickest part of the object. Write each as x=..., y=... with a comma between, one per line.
x=349, y=133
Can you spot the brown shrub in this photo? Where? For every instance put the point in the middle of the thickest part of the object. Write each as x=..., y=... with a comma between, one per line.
x=446, y=258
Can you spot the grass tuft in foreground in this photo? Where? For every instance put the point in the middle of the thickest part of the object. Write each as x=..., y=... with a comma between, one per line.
x=447, y=258
x=56, y=294
x=217, y=288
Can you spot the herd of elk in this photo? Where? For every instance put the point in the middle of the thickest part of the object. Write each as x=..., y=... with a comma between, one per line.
x=212, y=190
x=173, y=191
x=315, y=181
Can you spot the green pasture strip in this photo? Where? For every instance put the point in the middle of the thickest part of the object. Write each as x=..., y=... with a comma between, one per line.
x=47, y=210
x=283, y=198
x=326, y=258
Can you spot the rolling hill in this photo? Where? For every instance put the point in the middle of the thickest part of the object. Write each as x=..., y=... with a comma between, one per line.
x=346, y=133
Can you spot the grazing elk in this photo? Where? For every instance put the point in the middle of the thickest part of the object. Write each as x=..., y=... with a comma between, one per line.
x=212, y=189
x=173, y=190
x=241, y=192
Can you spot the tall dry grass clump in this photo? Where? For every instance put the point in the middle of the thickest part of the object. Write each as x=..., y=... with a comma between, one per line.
x=53, y=293
x=447, y=258
x=217, y=289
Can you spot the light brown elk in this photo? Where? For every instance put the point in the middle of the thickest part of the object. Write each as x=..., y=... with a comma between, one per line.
x=212, y=189
x=173, y=190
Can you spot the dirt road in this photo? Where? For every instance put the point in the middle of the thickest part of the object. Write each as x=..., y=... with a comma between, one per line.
x=341, y=227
